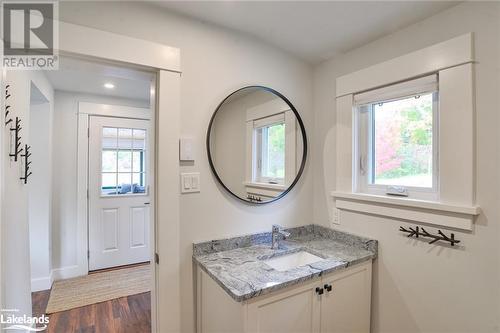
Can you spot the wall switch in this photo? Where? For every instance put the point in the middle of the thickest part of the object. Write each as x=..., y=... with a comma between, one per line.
x=190, y=182
x=186, y=183
x=186, y=149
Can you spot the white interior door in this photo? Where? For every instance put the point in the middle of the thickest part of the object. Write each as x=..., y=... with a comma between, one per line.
x=119, y=198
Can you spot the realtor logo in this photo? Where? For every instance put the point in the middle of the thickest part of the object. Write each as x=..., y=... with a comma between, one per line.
x=29, y=33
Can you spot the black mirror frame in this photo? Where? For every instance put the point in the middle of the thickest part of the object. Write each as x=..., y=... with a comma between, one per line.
x=304, y=140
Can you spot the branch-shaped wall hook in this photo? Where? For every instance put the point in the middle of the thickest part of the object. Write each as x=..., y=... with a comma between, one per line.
x=16, y=150
x=440, y=237
x=7, y=119
x=27, y=164
x=7, y=94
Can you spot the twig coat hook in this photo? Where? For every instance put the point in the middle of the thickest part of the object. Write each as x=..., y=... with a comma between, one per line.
x=16, y=149
x=422, y=232
x=27, y=163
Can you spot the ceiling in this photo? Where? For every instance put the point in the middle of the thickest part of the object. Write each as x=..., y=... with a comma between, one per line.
x=87, y=77
x=312, y=30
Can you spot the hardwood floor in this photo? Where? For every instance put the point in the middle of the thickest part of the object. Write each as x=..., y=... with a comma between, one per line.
x=131, y=314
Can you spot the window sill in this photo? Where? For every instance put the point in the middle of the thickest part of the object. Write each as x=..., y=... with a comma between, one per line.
x=277, y=187
x=430, y=212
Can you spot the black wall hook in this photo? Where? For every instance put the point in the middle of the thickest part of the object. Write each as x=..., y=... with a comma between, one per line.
x=254, y=198
x=27, y=164
x=17, y=140
x=7, y=119
x=422, y=232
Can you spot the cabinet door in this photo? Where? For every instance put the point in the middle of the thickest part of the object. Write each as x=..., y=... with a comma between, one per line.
x=346, y=308
x=295, y=310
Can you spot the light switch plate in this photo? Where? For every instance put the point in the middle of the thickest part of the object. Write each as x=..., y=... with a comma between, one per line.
x=190, y=182
x=186, y=149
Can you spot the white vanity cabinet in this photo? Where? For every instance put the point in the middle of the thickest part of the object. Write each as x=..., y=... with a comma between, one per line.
x=299, y=308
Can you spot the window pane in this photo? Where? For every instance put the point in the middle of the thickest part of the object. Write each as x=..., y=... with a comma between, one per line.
x=125, y=138
x=124, y=183
x=138, y=181
x=273, y=151
x=125, y=161
x=108, y=185
x=139, y=161
x=402, y=142
x=139, y=139
x=109, y=137
x=109, y=132
x=109, y=161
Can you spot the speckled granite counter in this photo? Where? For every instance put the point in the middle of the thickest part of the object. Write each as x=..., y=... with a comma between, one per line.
x=237, y=265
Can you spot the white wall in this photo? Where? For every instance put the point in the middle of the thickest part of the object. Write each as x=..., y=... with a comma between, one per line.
x=420, y=287
x=39, y=196
x=15, y=226
x=215, y=62
x=64, y=204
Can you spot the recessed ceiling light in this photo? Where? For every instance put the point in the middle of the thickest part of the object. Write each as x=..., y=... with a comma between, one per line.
x=109, y=85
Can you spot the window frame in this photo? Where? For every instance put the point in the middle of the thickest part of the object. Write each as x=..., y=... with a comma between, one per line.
x=143, y=166
x=258, y=141
x=363, y=161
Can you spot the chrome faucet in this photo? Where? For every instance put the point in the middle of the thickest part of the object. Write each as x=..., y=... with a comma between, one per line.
x=277, y=234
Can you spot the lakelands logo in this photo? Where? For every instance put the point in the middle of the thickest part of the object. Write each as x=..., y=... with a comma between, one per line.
x=30, y=35
x=11, y=320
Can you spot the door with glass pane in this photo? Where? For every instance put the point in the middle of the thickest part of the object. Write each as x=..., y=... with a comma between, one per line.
x=119, y=172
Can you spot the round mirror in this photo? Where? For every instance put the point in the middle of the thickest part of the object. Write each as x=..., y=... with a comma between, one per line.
x=257, y=144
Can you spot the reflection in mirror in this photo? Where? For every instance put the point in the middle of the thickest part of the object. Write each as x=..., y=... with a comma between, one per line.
x=256, y=144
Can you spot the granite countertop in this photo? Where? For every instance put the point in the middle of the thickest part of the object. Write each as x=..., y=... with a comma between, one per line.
x=237, y=265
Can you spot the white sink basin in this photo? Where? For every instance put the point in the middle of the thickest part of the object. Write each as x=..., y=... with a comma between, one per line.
x=292, y=260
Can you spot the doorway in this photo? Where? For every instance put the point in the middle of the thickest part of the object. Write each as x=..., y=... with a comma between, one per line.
x=164, y=62
x=119, y=193
x=103, y=144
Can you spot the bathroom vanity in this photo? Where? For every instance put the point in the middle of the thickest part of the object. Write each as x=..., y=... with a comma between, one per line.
x=317, y=280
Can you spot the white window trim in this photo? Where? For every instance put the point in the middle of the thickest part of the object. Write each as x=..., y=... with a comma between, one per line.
x=362, y=135
x=453, y=61
x=422, y=211
x=268, y=113
x=258, y=125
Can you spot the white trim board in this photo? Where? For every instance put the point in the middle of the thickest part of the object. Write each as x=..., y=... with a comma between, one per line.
x=124, y=49
x=109, y=110
x=406, y=202
x=447, y=54
x=436, y=218
x=45, y=283
x=39, y=284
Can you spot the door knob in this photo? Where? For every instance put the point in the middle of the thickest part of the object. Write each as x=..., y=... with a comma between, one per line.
x=328, y=287
x=319, y=291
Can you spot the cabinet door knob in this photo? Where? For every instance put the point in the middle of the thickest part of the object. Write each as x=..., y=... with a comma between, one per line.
x=328, y=287
x=319, y=291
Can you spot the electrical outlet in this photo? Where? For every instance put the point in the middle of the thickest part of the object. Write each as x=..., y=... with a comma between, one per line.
x=336, y=216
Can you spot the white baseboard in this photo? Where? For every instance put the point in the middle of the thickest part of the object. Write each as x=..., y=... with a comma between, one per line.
x=45, y=283
x=66, y=272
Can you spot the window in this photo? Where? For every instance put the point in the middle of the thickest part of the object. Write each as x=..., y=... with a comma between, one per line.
x=397, y=141
x=123, y=161
x=271, y=148
x=270, y=153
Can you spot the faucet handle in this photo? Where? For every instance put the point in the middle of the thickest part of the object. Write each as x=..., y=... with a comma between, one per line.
x=277, y=228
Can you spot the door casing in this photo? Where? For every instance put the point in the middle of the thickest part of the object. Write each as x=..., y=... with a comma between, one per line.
x=165, y=61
